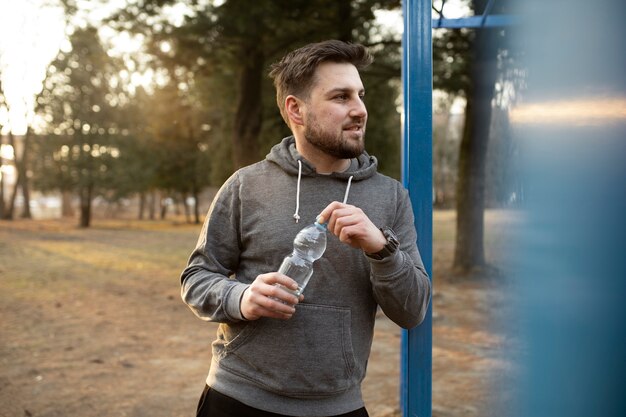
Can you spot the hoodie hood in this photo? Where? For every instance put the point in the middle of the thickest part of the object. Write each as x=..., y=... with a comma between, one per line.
x=285, y=155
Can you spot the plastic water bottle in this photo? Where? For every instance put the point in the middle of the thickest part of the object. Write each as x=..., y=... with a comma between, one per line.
x=308, y=246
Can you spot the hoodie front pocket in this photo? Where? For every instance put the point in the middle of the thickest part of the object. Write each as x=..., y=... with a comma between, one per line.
x=308, y=355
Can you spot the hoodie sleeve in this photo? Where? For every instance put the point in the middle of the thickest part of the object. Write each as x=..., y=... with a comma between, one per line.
x=400, y=282
x=207, y=285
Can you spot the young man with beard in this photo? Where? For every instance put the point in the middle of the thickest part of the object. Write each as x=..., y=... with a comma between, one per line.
x=275, y=354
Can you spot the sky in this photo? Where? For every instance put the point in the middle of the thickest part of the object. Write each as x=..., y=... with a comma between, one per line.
x=30, y=37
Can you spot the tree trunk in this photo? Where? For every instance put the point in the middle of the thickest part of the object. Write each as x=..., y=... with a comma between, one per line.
x=85, y=206
x=152, y=205
x=177, y=204
x=142, y=205
x=66, y=204
x=2, y=206
x=10, y=208
x=196, y=206
x=469, y=252
x=163, y=207
x=186, y=208
x=26, y=214
x=248, y=117
x=1, y=183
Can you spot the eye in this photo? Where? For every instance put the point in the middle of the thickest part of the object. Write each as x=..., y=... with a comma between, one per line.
x=341, y=97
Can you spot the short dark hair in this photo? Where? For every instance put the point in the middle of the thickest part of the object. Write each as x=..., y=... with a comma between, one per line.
x=294, y=73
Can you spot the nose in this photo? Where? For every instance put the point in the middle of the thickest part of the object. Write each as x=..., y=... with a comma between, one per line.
x=358, y=109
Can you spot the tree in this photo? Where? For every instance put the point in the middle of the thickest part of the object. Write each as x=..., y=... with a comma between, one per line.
x=21, y=183
x=7, y=210
x=466, y=62
x=36, y=23
x=235, y=43
x=82, y=105
x=20, y=160
x=446, y=138
x=2, y=207
x=181, y=144
x=136, y=168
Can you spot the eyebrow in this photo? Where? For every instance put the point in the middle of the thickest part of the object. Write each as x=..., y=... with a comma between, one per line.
x=343, y=90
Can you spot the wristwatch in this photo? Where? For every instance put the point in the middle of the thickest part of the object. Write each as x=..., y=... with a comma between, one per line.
x=390, y=248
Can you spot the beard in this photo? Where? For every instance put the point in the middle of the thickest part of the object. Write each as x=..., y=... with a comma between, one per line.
x=334, y=143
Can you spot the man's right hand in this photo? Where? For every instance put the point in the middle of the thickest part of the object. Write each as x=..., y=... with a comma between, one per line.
x=263, y=298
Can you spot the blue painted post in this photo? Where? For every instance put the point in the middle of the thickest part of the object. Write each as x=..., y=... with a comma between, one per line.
x=416, y=355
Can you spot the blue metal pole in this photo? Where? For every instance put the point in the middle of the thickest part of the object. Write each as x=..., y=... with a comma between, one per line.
x=416, y=354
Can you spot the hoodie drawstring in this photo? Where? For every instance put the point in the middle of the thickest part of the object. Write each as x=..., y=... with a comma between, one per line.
x=296, y=216
x=345, y=197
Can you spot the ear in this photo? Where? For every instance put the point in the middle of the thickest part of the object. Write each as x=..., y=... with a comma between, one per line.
x=294, y=108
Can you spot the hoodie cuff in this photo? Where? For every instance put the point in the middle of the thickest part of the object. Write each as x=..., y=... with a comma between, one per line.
x=233, y=301
x=388, y=266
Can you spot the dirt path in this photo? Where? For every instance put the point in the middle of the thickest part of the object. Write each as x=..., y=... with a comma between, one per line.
x=92, y=325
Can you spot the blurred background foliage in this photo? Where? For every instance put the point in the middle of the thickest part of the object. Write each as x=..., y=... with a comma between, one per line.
x=158, y=101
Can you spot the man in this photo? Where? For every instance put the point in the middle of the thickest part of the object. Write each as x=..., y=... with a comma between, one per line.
x=276, y=354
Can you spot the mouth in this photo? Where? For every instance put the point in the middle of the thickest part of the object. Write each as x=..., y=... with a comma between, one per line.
x=353, y=128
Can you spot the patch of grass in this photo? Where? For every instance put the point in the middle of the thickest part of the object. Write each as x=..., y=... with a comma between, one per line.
x=47, y=260
x=89, y=315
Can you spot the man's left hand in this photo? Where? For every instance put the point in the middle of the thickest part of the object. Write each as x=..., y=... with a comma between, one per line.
x=353, y=227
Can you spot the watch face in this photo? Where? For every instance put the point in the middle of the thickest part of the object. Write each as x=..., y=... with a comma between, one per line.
x=392, y=240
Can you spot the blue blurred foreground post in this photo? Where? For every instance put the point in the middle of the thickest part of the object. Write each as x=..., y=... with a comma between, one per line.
x=572, y=259
x=416, y=357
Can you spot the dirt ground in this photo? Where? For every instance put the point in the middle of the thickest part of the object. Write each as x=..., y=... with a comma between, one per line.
x=91, y=324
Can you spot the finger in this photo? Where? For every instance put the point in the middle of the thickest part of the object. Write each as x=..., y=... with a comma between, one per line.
x=286, y=282
x=348, y=216
x=325, y=215
x=351, y=225
x=277, y=278
x=274, y=305
x=267, y=302
x=284, y=297
x=349, y=235
x=335, y=215
x=344, y=220
x=260, y=311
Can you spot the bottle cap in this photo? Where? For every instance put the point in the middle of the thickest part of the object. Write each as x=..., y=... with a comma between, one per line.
x=319, y=223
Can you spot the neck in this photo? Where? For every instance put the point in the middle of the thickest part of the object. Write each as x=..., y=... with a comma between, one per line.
x=323, y=163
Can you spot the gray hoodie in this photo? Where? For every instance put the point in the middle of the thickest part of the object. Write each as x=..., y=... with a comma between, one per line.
x=313, y=363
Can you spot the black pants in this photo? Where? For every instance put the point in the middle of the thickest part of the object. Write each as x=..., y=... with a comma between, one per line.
x=215, y=404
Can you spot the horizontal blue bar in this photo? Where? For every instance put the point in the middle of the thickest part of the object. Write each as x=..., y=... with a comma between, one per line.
x=476, y=22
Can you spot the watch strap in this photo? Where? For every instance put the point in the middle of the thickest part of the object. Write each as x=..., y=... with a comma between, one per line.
x=390, y=247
